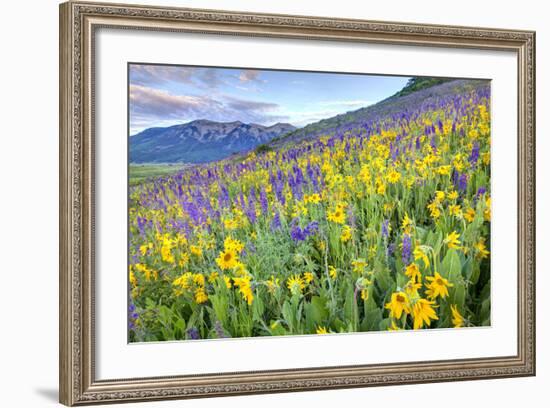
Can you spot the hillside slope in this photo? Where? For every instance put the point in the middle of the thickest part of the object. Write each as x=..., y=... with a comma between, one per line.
x=396, y=105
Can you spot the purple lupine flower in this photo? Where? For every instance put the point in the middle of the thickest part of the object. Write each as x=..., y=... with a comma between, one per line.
x=480, y=191
x=250, y=212
x=241, y=201
x=463, y=182
x=141, y=221
x=474, y=155
x=276, y=222
x=298, y=234
x=263, y=200
x=394, y=152
x=406, y=252
x=250, y=209
x=193, y=333
x=132, y=316
x=224, y=197
x=440, y=125
x=390, y=250
x=278, y=187
x=311, y=228
x=385, y=228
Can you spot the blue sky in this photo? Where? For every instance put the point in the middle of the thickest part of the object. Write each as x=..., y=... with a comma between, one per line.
x=162, y=95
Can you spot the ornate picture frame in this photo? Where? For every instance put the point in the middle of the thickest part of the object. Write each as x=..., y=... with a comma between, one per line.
x=79, y=22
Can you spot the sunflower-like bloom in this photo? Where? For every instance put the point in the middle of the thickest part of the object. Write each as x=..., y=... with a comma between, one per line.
x=458, y=319
x=413, y=272
x=200, y=295
x=295, y=284
x=346, y=233
x=452, y=240
x=398, y=304
x=437, y=286
x=394, y=176
x=233, y=245
x=227, y=259
x=420, y=254
x=482, y=251
x=245, y=287
x=272, y=284
x=308, y=277
x=196, y=250
x=338, y=216
x=470, y=214
x=423, y=313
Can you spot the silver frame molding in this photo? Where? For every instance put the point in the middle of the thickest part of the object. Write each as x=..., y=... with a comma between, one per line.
x=78, y=23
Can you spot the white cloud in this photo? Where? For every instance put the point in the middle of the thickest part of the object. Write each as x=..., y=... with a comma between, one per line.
x=150, y=107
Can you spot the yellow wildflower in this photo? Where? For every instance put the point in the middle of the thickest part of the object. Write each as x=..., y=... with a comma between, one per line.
x=438, y=286
x=230, y=224
x=359, y=265
x=233, y=245
x=413, y=272
x=398, y=304
x=184, y=281
x=458, y=320
x=482, y=251
x=200, y=295
x=338, y=216
x=132, y=277
x=195, y=250
x=452, y=240
x=439, y=195
x=470, y=214
x=423, y=313
x=295, y=284
x=227, y=259
x=420, y=254
x=393, y=176
x=272, y=284
x=346, y=233
x=245, y=288
x=332, y=272
x=213, y=276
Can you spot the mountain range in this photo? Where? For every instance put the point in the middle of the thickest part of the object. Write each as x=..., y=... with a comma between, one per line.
x=200, y=141
x=203, y=141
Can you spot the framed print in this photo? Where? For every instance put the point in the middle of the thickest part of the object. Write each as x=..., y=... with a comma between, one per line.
x=256, y=203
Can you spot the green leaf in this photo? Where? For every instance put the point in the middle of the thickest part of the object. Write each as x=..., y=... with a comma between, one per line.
x=457, y=295
x=316, y=312
x=384, y=324
x=451, y=267
x=349, y=305
x=257, y=309
x=372, y=320
x=288, y=315
x=382, y=277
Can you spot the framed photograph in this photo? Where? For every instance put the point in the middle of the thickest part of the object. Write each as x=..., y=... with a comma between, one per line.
x=256, y=203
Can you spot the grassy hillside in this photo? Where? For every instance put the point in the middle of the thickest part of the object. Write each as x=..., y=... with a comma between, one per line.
x=415, y=94
x=139, y=173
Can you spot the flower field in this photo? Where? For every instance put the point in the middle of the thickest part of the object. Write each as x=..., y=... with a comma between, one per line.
x=380, y=226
